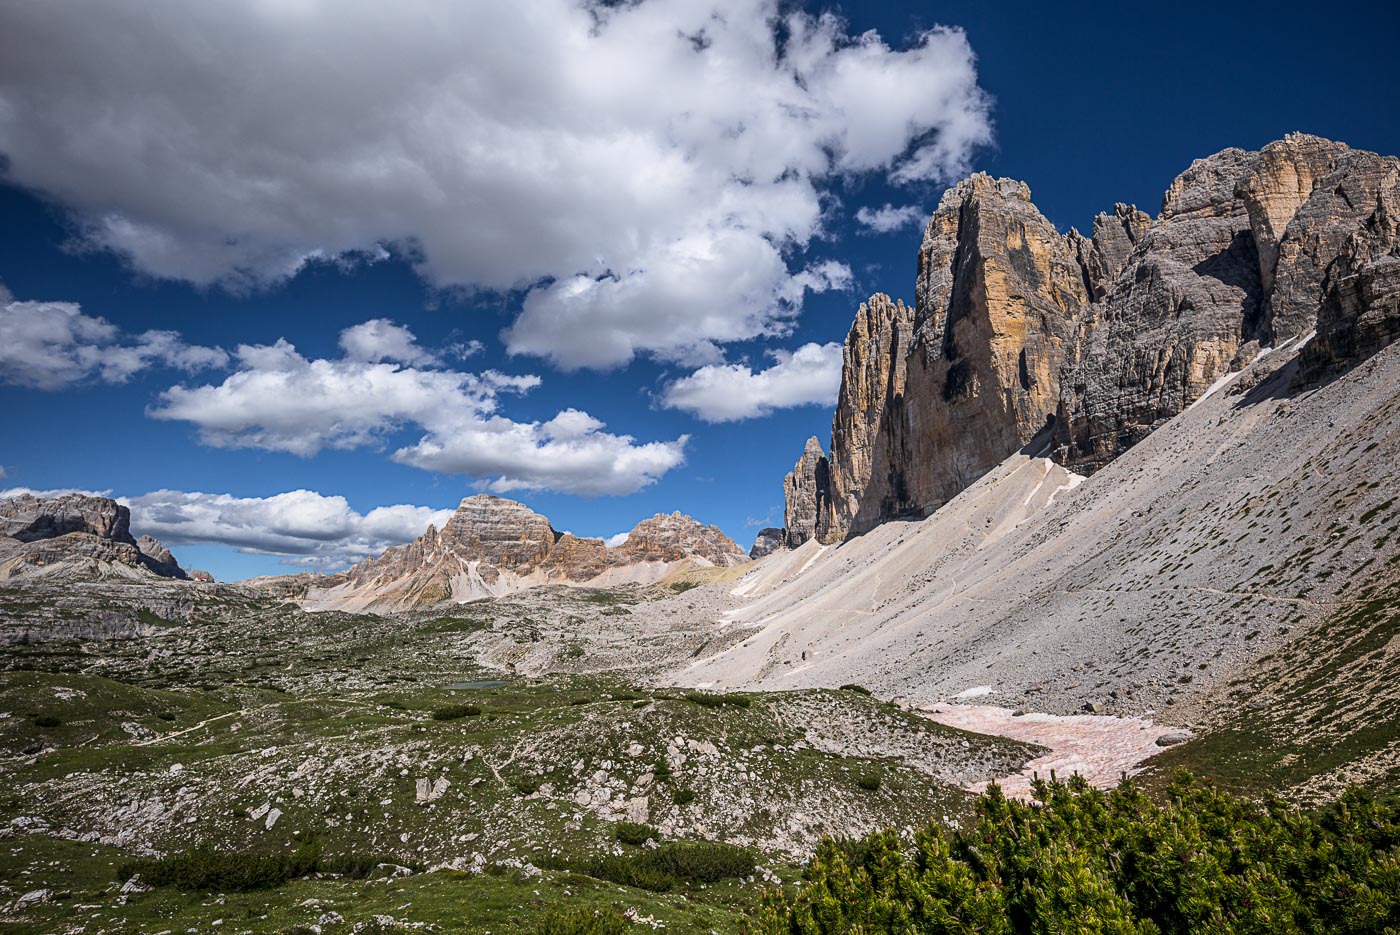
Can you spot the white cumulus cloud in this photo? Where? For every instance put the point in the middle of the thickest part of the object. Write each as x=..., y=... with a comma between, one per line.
x=50, y=345
x=650, y=174
x=11, y=492
x=311, y=528
x=889, y=218
x=278, y=400
x=380, y=339
x=810, y=375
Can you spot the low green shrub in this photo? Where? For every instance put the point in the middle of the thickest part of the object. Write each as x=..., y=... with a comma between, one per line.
x=683, y=796
x=858, y=689
x=1078, y=859
x=453, y=712
x=361, y=866
x=584, y=921
x=870, y=782
x=717, y=700
x=630, y=832
x=204, y=869
x=662, y=869
x=631, y=870
x=702, y=861
x=45, y=720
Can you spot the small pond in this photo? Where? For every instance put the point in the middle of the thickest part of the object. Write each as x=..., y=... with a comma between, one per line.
x=487, y=683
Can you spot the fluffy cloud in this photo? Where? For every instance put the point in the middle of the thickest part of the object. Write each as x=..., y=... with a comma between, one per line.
x=650, y=173
x=51, y=492
x=889, y=218
x=278, y=400
x=50, y=345
x=380, y=339
x=810, y=375
x=311, y=528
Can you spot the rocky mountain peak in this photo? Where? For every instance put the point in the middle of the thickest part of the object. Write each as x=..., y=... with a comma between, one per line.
x=805, y=492
x=76, y=535
x=672, y=537
x=768, y=541
x=1077, y=346
x=871, y=396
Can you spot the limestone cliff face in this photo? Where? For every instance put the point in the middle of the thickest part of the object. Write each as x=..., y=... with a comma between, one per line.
x=1306, y=197
x=577, y=559
x=872, y=388
x=1103, y=255
x=493, y=546
x=805, y=492
x=158, y=558
x=1180, y=314
x=999, y=295
x=76, y=536
x=28, y=518
x=1360, y=312
x=1243, y=255
x=1084, y=345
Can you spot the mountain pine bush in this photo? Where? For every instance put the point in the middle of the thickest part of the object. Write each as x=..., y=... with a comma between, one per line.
x=1081, y=860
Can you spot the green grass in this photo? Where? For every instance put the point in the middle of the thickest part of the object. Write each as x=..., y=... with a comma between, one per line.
x=507, y=903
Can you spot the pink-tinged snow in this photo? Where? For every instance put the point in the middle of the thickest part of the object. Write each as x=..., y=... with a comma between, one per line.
x=1097, y=747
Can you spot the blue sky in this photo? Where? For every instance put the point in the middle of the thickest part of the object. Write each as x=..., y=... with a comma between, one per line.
x=620, y=210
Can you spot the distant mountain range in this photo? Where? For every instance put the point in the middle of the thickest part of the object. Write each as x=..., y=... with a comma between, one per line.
x=492, y=547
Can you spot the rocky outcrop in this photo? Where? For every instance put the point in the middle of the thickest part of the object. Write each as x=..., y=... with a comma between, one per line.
x=158, y=559
x=576, y=559
x=492, y=546
x=805, y=493
x=860, y=486
x=77, y=536
x=768, y=541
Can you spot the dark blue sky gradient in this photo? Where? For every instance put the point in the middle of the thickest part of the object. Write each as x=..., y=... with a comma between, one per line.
x=1093, y=104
